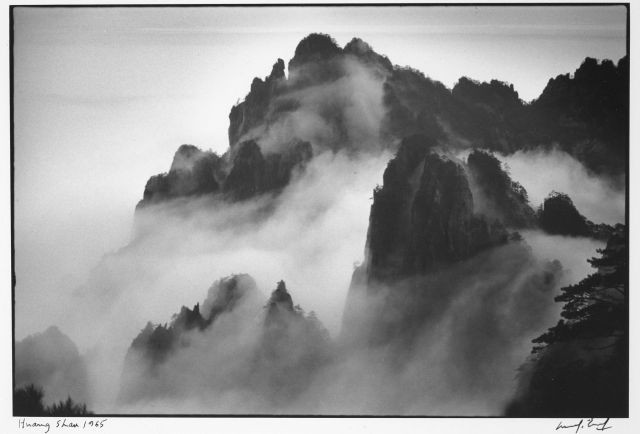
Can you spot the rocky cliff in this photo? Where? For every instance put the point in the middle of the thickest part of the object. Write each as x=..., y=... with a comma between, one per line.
x=422, y=217
x=249, y=173
x=355, y=100
x=497, y=194
x=442, y=264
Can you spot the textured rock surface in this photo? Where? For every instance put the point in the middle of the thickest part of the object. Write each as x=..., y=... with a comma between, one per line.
x=423, y=227
x=498, y=195
x=250, y=173
x=253, y=174
x=422, y=217
x=254, y=109
x=192, y=173
x=328, y=100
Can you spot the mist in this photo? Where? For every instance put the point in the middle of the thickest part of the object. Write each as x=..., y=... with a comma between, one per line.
x=463, y=359
x=309, y=236
x=312, y=238
x=312, y=235
x=541, y=172
x=345, y=111
x=458, y=358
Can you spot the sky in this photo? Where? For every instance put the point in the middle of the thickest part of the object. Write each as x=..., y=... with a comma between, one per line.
x=104, y=96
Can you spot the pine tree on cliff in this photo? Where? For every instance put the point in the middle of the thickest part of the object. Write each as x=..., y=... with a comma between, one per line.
x=580, y=366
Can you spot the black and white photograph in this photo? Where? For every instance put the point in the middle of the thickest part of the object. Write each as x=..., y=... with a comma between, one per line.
x=328, y=210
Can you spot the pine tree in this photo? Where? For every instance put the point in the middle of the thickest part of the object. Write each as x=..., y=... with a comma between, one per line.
x=580, y=366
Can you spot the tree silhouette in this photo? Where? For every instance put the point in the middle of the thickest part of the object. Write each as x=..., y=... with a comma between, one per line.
x=580, y=366
x=595, y=307
x=27, y=401
x=68, y=408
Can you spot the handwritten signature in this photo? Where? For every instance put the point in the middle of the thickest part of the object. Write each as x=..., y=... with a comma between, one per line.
x=61, y=423
x=590, y=423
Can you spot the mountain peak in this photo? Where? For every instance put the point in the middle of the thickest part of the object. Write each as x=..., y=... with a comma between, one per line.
x=316, y=46
x=281, y=297
x=185, y=157
x=357, y=45
x=277, y=71
x=367, y=54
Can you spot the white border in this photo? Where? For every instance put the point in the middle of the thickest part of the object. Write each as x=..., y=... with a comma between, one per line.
x=9, y=424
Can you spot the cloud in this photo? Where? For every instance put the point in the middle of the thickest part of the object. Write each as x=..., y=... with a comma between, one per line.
x=343, y=113
x=310, y=236
x=480, y=316
x=541, y=172
x=475, y=320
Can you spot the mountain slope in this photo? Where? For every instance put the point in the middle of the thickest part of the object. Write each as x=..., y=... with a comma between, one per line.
x=355, y=100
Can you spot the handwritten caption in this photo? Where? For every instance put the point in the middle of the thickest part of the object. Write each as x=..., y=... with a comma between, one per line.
x=591, y=423
x=59, y=424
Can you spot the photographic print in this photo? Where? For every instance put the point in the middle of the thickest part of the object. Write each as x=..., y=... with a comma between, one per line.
x=327, y=210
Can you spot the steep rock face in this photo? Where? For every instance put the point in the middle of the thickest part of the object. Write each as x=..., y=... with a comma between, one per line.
x=253, y=173
x=355, y=99
x=499, y=196
x=422, y=217
x=51, y=360
x=318, y=66
x=559, y=216
x=249, y=173
x=245, y=178
x=414, y=104
x=423, y=225
x=254, y=109
x=487, y=115
x=193, y=172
